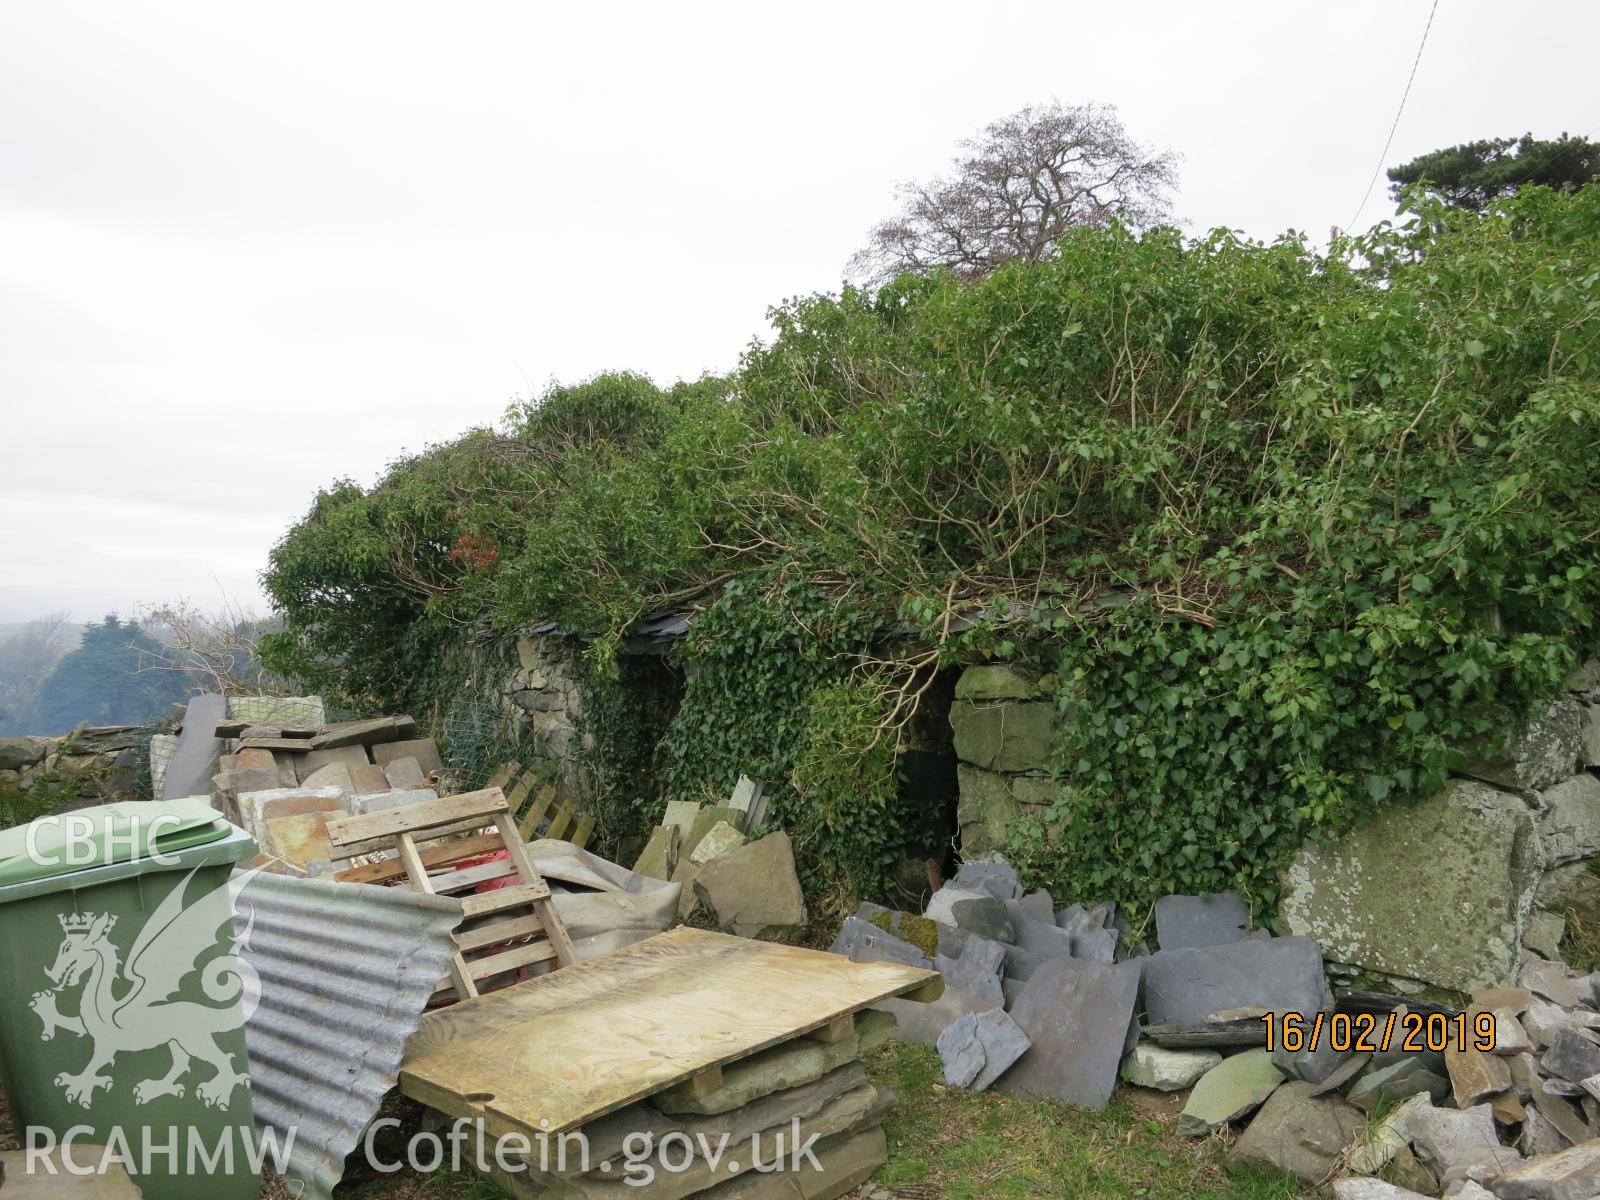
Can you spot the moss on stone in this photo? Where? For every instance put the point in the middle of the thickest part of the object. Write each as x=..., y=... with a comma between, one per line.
x=908, y=927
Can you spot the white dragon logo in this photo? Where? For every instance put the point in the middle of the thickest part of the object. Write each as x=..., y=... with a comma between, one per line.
x=126, y=1007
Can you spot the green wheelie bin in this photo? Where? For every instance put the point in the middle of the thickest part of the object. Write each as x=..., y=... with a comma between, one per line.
x=125, y=995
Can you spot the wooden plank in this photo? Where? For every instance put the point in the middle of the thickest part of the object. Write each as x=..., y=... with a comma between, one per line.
x=287, y=745
x=510, y=960
x=835, y=1030
x=449, y=882
x=498, y=931
x=517, y=794
x=580, y=838
x=419, y=880
x=544, y=908
x=503, y=774
x=529, y=824
x=588, y=1039
x=503, y=898
x=559, y=822
x=415, y=818
x=372, y=845
x=432, y=856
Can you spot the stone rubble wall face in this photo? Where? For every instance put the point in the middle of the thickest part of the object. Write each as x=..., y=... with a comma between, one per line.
x=1448, y=895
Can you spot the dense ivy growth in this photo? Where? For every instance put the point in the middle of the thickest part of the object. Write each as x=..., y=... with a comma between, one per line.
x=1345, y=503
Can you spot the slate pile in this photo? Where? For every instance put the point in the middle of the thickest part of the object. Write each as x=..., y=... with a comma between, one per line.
x=801, y=1088
x=747, y=887
x=1043, y=1000
x=283, y=781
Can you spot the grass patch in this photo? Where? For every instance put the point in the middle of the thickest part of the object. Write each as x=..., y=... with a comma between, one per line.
x=964, y=1147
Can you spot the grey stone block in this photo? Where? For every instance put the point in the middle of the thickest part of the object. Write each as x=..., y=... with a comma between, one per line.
x=1194, y=985
x=1077, y=1017
x=194, y=762
x=1437, y=891
x=1184, y=922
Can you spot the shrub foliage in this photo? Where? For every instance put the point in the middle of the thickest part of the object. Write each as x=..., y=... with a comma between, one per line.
x=1290, y=525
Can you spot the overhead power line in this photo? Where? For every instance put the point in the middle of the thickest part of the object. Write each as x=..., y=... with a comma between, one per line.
x=1389, y=141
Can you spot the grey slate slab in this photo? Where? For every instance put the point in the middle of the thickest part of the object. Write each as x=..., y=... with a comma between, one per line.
x=194, y=762
x=1184, y=922
x=1193, y=985
x=1077, y=1017
x=997, y=879
x=980, y=1047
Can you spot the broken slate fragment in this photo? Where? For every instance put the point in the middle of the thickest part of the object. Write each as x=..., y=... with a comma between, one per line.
x=1077, y=1017
x=1572, y=1174
x=980, y=1047
x=1572, y=1056
x=1312, y=1065
x=1353, y=1187
x=1095, y=945
x=1153, y=1066
x=1552, y=980
x=1474, y=1075
x=976, y=970
x=1398, y=1081
x=997, y=879
x=1184, y=922
x=1449, y=1139
x=985, y=916
x=941, y=905
x=1193, y=985
x=861, y=941
x=1231, y=1090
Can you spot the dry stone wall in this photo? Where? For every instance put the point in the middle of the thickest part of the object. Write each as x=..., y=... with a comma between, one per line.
x=1004, y=722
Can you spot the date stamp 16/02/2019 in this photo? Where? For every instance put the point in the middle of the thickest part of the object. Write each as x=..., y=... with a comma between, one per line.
x=1406, y=1032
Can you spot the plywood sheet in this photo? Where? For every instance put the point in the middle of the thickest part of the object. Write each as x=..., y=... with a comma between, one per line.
x=558, y=1051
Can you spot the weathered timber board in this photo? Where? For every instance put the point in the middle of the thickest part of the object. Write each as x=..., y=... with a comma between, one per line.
x=557, y=1051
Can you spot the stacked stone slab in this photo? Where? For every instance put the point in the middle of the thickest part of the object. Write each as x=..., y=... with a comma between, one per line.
x=722, y=1142
x=282, y=782
x=1456, y=893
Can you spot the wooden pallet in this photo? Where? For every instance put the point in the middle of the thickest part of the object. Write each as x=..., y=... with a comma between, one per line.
x=531, y=804
x=563, y=1050
x=506, y=929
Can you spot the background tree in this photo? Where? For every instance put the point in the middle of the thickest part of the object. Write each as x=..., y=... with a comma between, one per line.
x=108, y=680
x=1016, y=189
x=1475, y=174
x=26, y=657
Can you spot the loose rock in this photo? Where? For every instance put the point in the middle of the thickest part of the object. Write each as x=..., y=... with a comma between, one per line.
x=979, y=1048
x=1232, y=1089
x=1193, y=985
x=1572, y=1174
x=753, y=889
x=1153, y=1066
x=1298, y=1133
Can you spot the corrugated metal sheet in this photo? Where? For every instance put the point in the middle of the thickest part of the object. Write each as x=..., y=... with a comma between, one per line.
x=346, y=970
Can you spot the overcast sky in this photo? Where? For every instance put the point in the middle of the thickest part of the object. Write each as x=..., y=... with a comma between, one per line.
x=246, y=250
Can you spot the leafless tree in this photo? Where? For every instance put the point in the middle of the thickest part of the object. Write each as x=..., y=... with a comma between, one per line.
x=216, y=651
x=1016, y=189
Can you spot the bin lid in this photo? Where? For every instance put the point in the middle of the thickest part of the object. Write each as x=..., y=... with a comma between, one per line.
x=66, y=843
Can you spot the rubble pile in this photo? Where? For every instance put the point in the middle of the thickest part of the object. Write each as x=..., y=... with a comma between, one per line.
x=1499, y=1099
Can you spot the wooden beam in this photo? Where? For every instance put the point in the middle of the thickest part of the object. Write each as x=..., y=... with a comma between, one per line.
x=414, y=818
